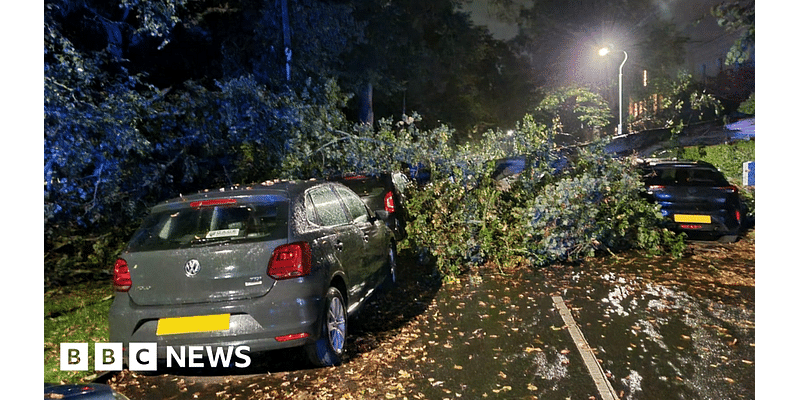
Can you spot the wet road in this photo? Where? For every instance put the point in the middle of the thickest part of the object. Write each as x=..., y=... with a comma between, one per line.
x=660, y=329
x=659, y=342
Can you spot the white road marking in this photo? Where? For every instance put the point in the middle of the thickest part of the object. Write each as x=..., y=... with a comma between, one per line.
x=599, y=378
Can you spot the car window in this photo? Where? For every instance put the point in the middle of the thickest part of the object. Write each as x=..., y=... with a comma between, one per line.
x=311, y=211
x=354, y=205
x=364, y=186
x=707, y=176
x=327, y=208
x=186, y=226
x=686, y=176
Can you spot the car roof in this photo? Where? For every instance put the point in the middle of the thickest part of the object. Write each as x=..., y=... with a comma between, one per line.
x=656, y=162
x=281, y=188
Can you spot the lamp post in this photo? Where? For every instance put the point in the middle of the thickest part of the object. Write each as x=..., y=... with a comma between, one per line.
x=603, y=52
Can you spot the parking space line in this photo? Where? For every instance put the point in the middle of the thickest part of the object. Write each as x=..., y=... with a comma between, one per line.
x=599, y=378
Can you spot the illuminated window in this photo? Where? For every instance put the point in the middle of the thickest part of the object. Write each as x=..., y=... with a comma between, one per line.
x=644, y=78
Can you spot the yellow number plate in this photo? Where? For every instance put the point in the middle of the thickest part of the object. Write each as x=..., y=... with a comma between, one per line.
x=697, y=219
x=200, y=323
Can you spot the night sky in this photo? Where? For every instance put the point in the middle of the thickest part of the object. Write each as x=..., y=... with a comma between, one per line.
x=706, y=37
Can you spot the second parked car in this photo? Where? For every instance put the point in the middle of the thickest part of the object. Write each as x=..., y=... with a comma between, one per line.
x=694, y=197
x=269, y=266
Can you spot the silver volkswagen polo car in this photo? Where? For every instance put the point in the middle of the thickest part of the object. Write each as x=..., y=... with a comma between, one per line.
x=271, y=266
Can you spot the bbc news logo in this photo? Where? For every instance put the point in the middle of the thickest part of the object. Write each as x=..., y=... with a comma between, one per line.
x=144, y=356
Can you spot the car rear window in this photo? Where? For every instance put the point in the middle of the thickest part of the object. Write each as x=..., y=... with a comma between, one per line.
x=685, y=176
x=364, y=186
x=209, y=224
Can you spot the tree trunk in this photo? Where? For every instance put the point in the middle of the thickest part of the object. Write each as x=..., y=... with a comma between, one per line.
x=365, y=113
x=287, y=48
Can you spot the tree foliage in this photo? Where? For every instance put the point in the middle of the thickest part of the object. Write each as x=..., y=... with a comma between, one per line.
x=90, y=135
x=140, y=96
x=117, y=138
x=749, y=105
x=561, y=208
x=738, y=16
x=575, y=111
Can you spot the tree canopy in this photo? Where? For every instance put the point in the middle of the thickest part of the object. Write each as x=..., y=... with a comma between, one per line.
x=146, y=95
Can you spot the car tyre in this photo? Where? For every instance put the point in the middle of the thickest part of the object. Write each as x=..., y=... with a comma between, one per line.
x=328, y=350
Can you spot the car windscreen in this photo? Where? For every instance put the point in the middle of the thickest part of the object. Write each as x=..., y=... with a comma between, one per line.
x=683, y=176
x=187, y=226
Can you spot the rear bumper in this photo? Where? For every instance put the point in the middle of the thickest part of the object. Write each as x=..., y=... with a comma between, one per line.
x=292, y=307
x=722, y=222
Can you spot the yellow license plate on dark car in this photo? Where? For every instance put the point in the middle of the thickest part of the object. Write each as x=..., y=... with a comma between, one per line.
x=200, y=323
x=696, y=219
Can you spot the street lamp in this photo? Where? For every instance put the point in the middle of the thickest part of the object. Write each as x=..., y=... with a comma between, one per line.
x=604, y=52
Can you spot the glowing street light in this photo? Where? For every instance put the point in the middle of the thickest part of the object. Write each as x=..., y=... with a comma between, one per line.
x=604, y=52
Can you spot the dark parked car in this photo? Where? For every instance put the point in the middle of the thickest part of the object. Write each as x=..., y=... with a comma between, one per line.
x=508, y=170
x=87, y=391
x=383, y=193
x=509, y=167
x=694, y=197
x=271, y=266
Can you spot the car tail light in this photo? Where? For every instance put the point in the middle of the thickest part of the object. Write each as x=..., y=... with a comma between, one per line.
x=728, y=189
x=290, y=261
x=738, y=216
x=388, y=202
x=122, y=276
